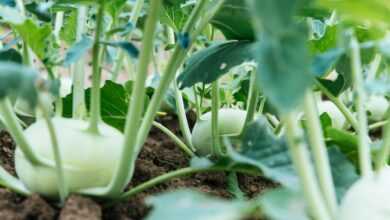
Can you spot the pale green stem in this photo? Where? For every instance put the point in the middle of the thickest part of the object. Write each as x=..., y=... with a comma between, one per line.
x=197, y=104
x=16, y=131
x=374, y=66
x=61, y=181
x=262, y=105
x=9, y=181
x=360, y=100
x=383, y=155
x=321, y=160
x=174, y=138
x=27, y=56
x=340, y=105
x=377, y=125
x=181, y=113
x=252, y=99
x=59, y=20
x=217, y=149
x=95, y=116
x=122, y=176
x=79, y=109
x=301, y=160
x=121, y=55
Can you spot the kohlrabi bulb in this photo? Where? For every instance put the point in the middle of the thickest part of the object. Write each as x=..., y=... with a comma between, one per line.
x=376, y=107
x=368, y=199
x=89, y=159
x=230, y=123
x=338, y=119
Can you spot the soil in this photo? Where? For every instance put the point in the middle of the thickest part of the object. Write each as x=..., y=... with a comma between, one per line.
x=159, y=155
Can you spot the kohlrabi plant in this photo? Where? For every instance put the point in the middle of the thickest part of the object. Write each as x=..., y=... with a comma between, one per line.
x=294, y=91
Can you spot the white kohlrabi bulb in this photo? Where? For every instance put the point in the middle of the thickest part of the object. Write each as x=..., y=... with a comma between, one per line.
x=368, y=199
x=89, y=159
x=338, y=119
x=230, y=123
x=377, y=107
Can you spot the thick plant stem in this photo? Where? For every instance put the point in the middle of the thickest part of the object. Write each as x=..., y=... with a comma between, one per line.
x=301, y=160
x=217, y=150
x=61, y=181
x=360, y=100
x=252, y=100
x=79, y=109
x=175, y=139
x=181, y=113
x=321, y=160
x=95, y=116
x=121, y=55
x=16, y=131
x=121, y=177
x=383, y=155
x=340, y=105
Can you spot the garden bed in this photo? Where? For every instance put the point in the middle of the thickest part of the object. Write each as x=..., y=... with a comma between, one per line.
x=159, y=155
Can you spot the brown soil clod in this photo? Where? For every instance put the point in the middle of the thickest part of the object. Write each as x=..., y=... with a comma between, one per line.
x=78, y=207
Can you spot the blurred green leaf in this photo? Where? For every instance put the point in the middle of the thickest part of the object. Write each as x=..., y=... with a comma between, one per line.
x=283, y=204
x=10, y=55
x=41, y=10
x=78, y=50
x=209, y=64
x=192, y=205
x=234, y=20
x=128, y=47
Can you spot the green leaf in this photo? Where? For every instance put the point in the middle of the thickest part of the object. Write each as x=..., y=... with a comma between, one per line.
x=209, y=64
x=323, y=63
x=283, y=75
x=343, y=171
x=346, y=141
x=363, y=11
x=191, y=205
x=37, y=37
x=78, y=50
x=18, y=80
x=114, y=104
x=234, y=20
x=283, y=204
x=335, y=87
x=262, y=149
x=68, y=30
x=10, y=55
x=282, y=54
x=174, y=15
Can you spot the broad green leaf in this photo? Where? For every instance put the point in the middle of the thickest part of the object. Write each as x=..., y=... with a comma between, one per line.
x=209, y=64
x=283, y=204
x=114, y=104
x=346, y=141
x=282, y=53
x=343, y=171
x=335, y=87
x=37, y=37
x=174, y=15
x=10, y=55
x=363, y=11
x=192, y=205
x=283, y=75
x=323, y=63
x=78, y=50
x=114, y=7
x=262, y=149
x=234, y=20
x=18, y=80
x=68, y=30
